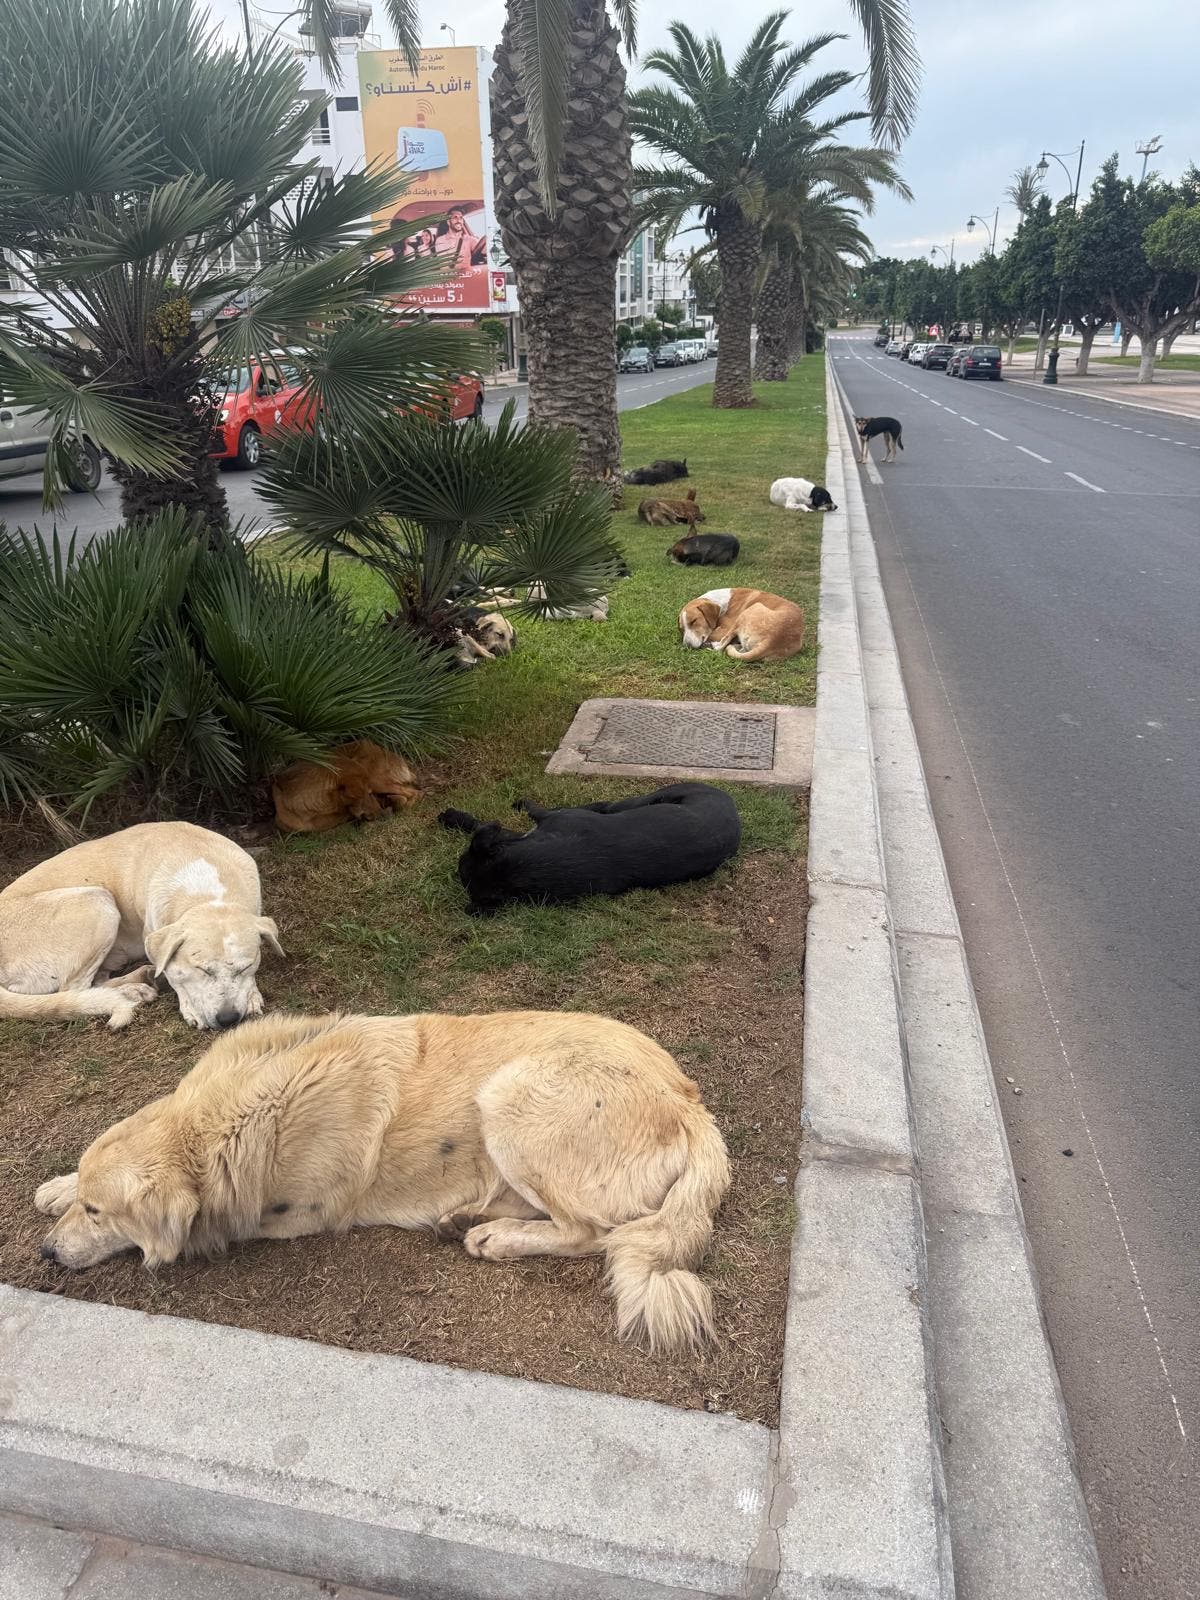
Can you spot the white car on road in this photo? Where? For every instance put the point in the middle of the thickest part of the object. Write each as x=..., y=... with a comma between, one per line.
x=25, y=439
x=915, y=354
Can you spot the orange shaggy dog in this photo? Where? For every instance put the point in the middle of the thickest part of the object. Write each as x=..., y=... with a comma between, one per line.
x=362, y=783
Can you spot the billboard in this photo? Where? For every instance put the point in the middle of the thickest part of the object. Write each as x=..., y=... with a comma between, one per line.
x=429, y=124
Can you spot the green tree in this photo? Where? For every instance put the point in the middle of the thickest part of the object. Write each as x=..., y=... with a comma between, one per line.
x=149, y=183
x=1139, y=234
x=1027, y=282
x=706, y=285
x=810, y=246
x=732, y=137
x=1024, y=189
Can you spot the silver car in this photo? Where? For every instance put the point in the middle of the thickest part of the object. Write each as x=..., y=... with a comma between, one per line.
x=25, y=439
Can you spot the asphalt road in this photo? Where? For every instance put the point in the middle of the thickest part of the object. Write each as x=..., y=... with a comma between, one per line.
x=21, y=498
x=1041, y=556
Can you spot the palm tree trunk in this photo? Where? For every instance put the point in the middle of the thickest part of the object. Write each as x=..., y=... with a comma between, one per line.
x=797, y=321
x=739, y=244
x=567, y=307
x=565, y=264
x=772, y=359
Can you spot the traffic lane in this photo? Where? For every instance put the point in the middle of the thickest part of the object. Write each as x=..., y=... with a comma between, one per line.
x=1126, y=1434
x=88, y=515
x=1097, y=448
x=1055, y=664
x=1077, y=903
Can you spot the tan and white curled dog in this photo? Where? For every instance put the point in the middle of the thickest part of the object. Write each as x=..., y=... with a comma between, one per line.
x=181, y=898
x=520, y=1133
x=748, y=624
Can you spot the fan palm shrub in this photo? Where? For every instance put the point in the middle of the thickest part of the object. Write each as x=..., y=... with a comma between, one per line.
x=150, y=663
x=160, y=220
x=446, y=515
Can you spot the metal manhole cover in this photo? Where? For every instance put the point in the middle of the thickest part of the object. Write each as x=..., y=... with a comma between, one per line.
x=669, y=736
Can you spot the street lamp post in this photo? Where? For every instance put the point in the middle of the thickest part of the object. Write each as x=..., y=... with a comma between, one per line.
x=1043, y=166
x=446, y=28
x=991, y=233
x=1148, y=148
x=938, y=249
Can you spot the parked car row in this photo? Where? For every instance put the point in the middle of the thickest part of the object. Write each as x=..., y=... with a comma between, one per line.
x=254, y=402
x=675, y=353
x=958, y=361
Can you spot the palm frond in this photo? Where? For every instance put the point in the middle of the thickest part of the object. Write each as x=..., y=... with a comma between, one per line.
x=894, y=70
x=542, y=29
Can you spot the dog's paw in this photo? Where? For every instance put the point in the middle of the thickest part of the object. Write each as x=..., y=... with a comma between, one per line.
x=476, y=1241
x=138, y=994
x=453, y=1226
x=57, y=1195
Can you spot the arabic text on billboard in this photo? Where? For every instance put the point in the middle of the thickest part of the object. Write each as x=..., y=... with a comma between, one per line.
x=428, y=124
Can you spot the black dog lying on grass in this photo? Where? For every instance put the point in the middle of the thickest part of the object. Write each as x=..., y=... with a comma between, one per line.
x=705, y=550
x=683, y=831
x=658, y=472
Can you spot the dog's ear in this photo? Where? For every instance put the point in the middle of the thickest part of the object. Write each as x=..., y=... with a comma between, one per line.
x=162, y=944
x=265, y=926
x=160, y=1216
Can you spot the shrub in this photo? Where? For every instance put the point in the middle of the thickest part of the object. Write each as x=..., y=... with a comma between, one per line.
x=444, y=514
x=152, y=662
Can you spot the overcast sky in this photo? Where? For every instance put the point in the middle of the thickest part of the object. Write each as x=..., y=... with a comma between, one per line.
x=1002, y=81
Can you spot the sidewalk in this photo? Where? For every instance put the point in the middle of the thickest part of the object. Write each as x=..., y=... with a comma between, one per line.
x=1174, y=394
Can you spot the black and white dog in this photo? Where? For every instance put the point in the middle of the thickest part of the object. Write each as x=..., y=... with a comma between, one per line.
x=683, y=831
x=705, y=550
x=798, y=494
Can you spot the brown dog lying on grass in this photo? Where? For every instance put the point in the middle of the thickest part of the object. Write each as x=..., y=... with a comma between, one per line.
x=748, y=624
x=665, y=513
x=363, y=782
x=520, y=1133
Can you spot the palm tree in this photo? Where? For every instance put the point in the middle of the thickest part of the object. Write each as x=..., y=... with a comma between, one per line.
x=733, y=140
x=150, y=186
x=562, y=157
x=810, y=246
x=1024, y=189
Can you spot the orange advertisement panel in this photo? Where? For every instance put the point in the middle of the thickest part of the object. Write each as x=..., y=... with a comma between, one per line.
x=427, y=123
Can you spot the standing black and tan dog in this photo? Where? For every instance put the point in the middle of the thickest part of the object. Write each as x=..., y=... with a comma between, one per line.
x=869, y=427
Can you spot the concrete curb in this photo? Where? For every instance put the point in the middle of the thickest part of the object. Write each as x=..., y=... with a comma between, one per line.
x=1017, y=1518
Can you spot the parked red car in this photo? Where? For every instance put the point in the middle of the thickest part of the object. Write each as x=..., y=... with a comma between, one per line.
x=255, y=402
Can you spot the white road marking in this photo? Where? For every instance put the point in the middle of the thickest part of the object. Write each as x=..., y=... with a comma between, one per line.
x=874, y=473
x=1085, y=483
x=1034, y=454
x=993, y=433
x=951, y=410
x=968, y=420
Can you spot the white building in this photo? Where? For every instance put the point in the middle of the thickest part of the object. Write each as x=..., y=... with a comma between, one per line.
x=644, y=283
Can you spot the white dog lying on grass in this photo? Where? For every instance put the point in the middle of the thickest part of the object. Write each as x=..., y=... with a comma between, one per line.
x=181, y=898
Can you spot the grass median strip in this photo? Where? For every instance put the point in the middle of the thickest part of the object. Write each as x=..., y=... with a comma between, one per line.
x=374, y=920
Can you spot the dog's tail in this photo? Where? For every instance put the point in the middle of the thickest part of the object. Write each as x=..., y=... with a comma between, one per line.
x=899, y=440
x=117, y=1005
x=649, y=1260
x=460, y=821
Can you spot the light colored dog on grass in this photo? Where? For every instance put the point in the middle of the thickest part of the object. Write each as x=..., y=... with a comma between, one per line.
x=181, y=898
x=521, y=1133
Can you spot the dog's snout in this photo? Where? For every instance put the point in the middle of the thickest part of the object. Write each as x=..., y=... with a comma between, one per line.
x=48, y=1253
x=227, y=1016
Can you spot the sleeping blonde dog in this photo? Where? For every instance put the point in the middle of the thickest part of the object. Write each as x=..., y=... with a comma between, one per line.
x=180, y=897
x=748, y=624
x=520, y=1133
